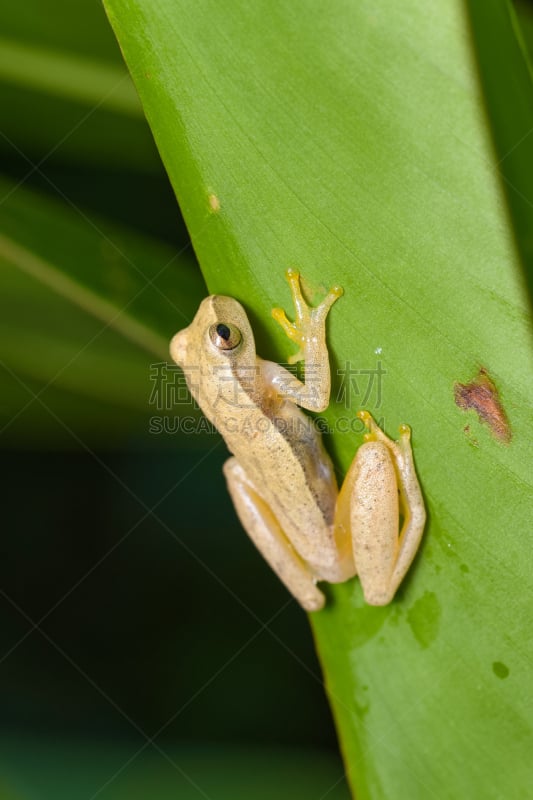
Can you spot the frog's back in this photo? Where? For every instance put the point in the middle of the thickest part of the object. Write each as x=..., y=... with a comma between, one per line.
x=284, y=458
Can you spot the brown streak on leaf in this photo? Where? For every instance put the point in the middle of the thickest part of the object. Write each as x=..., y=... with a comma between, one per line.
x=482, y=396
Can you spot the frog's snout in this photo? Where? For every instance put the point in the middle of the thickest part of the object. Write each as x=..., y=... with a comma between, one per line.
x=178, y=347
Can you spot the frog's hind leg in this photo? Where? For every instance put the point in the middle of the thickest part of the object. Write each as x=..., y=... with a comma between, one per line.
x=410, y=495
x=264, y=530
x=380, y=484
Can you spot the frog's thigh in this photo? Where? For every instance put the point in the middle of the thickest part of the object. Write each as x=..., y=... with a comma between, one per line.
x=264, y=530
x=371, y=490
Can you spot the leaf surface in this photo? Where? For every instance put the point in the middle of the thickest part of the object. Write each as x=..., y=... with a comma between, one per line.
x=350, y=140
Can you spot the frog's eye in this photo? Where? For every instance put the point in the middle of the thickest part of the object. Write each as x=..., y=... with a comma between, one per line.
x=225, y=336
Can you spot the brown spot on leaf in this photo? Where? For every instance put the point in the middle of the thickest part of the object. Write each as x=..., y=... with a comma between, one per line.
x=482, y=396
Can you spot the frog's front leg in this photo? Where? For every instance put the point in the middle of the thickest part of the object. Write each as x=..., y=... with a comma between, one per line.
x=308, y=331
x=265, y=531
x=380, y=484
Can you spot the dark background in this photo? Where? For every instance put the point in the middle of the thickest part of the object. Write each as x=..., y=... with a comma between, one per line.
x=165, y=615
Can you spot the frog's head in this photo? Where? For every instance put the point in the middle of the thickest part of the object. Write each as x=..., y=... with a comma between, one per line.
x=219, y=338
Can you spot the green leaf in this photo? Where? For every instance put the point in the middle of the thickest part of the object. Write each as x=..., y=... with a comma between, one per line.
x=85, y=310
x=351, y=140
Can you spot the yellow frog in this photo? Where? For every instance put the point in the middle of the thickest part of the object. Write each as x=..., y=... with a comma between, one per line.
x=280, y=477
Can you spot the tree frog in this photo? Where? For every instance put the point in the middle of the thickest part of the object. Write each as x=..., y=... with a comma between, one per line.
x=280, y=477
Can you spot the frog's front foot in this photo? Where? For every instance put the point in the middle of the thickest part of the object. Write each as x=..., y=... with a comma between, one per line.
x=308, y=327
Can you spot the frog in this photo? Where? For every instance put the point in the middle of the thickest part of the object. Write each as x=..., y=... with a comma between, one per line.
x=280, y=478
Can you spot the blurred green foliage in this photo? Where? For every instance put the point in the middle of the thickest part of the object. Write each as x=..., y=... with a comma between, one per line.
x=61, y=771
x=85, y=296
